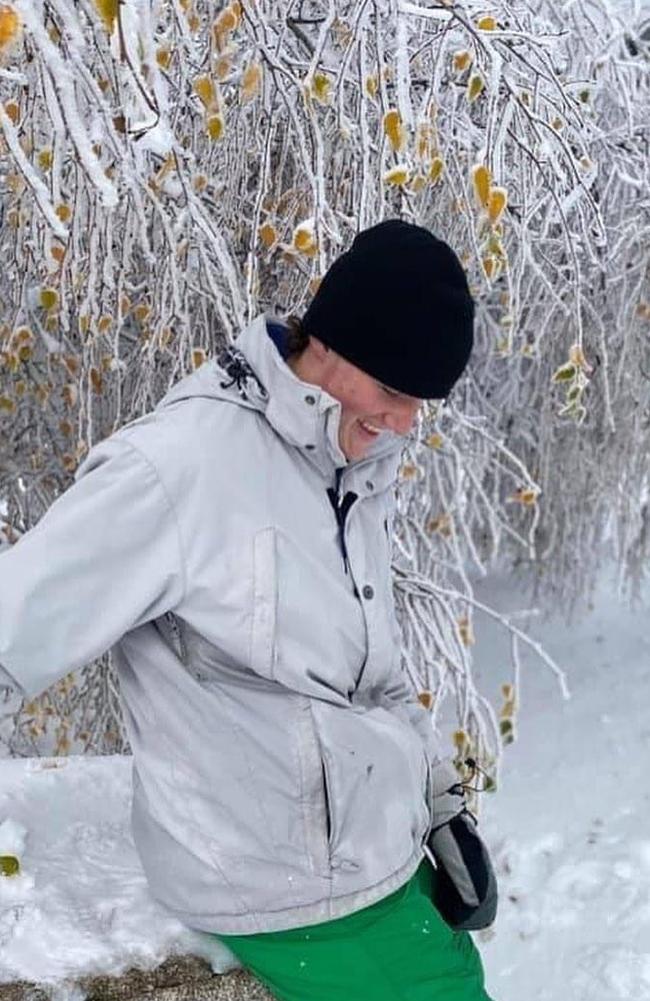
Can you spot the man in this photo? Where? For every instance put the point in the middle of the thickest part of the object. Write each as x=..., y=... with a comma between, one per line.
x=233, y=547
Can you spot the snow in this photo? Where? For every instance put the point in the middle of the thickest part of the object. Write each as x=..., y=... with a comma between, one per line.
x=568, y=825
x=568, y=829
x=80, y=905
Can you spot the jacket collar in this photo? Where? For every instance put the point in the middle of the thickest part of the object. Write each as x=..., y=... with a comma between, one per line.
x=253, y=374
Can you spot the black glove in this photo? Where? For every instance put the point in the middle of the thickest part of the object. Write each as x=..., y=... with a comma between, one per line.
x=465, y=891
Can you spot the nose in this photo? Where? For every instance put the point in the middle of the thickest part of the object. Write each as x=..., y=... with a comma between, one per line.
x=402, y=414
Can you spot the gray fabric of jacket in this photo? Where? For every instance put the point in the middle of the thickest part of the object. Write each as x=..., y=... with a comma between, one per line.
x=281, y=763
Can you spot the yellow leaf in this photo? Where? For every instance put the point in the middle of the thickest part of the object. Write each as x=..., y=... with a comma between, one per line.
x=7, y=406
x=199, y=356
x=465, y=631
x=487, y=23
x=268, y=234
x=475, y=87
x=214, y=126
x=250, y=82
x=12, y=111
x=371, y=85
x=141, y=312
x=204, y=87
x=461, y=741
x=44, y=159
x=320, y=88
x=426, y=699
x=497, y=201
x=482, y=182
x=9, y=865
x=48, y=298
x=440, y=525
x=227, y=21
x=565, y=373
x=9, y=26
x=107, y=10
x=495, y=246
x=397, y=176
x=435, y=169
x=71, y=363
x=488, y=265
x=424, y=137
x=222, y=66
x=96, y=380
x=435, y=440
x=304, y=240
x=64, y=212
x=461, y=60
x=508, y=709
x=577, y=356
x=163, y=57
x=394, y=129
x=526, y=496
x=70, y=394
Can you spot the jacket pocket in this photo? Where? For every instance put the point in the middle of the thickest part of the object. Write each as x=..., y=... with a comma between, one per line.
x=316, y=796
x=375, y=786
x=328, y=800
x=265, y=603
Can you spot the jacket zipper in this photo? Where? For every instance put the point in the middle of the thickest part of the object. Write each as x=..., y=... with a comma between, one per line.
x=341, y=510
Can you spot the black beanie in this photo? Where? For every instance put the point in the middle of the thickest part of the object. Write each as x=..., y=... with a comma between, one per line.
x=397, y=305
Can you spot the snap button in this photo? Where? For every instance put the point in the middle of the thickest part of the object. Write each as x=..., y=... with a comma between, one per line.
x=368, y=592
x=310, y=400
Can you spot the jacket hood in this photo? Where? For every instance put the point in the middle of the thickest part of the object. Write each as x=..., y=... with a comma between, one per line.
x=252, y=373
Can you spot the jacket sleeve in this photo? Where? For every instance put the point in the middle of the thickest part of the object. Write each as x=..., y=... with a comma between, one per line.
x=104, y=559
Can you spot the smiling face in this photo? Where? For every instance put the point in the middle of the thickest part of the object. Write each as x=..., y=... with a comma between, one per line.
x=367, y=406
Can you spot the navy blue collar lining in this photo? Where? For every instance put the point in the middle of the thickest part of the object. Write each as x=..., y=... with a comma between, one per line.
x=278, y=334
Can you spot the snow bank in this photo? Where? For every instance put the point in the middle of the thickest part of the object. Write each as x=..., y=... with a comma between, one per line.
x=80, y=905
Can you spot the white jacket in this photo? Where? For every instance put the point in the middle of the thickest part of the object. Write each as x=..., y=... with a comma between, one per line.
x=280, y=762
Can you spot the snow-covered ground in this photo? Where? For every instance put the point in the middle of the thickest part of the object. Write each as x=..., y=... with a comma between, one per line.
x=570, y=825
x=569, y=829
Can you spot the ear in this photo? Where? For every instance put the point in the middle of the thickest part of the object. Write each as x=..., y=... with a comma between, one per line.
x=320, y=350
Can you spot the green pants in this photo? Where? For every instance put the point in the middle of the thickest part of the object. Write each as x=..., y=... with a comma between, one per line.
x=398, y=949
